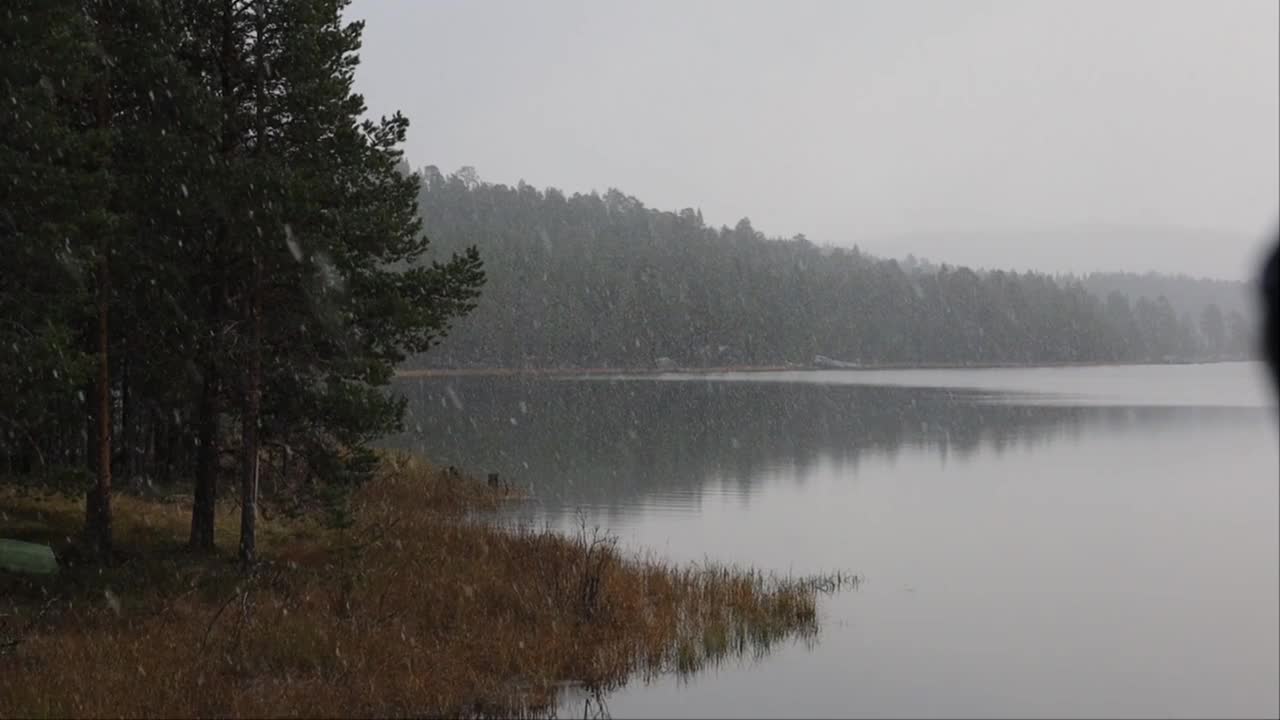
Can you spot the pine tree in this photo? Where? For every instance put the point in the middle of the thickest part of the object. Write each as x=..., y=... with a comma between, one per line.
x=201, y=225
x=59, y=221
x=318, y=255
x=49, y=192
x=1214, y=328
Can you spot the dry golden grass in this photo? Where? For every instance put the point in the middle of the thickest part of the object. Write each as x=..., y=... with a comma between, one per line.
x=418, y=609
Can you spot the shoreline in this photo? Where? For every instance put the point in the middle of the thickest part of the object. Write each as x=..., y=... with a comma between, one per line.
x=720, y=369
x=412, y=609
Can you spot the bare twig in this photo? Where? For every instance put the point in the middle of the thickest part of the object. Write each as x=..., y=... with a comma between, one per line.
x=204, y=641
x=12, y=643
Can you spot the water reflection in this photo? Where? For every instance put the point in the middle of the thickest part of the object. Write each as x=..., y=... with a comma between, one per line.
x=620, y=444
x=1108, y=548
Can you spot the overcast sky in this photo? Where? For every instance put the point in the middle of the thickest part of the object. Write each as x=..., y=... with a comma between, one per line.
x=1067, y=135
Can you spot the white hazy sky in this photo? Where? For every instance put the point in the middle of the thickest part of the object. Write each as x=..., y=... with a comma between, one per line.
x=1069, y=135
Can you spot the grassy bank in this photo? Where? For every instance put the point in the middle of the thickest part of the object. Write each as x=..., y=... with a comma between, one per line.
x=417, y=608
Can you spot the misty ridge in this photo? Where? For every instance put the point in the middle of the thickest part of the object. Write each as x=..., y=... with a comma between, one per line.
x=601, y=280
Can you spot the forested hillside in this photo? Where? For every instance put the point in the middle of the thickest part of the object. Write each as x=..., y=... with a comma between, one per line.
x=1187, y=294
x=602, y=280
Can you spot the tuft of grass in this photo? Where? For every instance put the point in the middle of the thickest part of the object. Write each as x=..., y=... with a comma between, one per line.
x=418, y=608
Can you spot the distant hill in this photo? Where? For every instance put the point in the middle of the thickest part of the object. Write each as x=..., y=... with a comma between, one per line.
x=1085, y=248
x=1186, y=294
x=600, y=280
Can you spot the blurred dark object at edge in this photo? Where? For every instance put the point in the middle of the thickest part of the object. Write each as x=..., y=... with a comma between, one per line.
x=1271, y=311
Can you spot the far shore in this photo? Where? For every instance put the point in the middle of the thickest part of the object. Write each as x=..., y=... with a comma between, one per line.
x=716, y=370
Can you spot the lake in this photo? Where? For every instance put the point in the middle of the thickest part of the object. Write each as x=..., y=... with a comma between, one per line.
x=1086, y=541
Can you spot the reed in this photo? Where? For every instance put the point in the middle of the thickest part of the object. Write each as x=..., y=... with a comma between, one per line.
x=423, y=606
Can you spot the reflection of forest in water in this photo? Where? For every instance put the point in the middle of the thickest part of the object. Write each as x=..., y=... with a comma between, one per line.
x=616, y=443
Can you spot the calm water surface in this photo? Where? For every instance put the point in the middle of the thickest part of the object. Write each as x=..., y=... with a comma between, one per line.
x=1049, y=542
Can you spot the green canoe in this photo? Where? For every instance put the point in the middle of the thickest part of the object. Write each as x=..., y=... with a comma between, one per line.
x=24, y=557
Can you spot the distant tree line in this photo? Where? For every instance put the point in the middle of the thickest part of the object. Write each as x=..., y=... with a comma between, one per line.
x=210, y=264
x=602, y=280
x=1188, y=295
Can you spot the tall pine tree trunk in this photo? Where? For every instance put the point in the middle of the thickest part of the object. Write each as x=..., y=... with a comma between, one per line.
x=209, y=440
x=249, y=428
x=98, y=502
x=252, y=405
x=128, y=418
x=206, y=491
x=98, y=506
x=162, y=451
